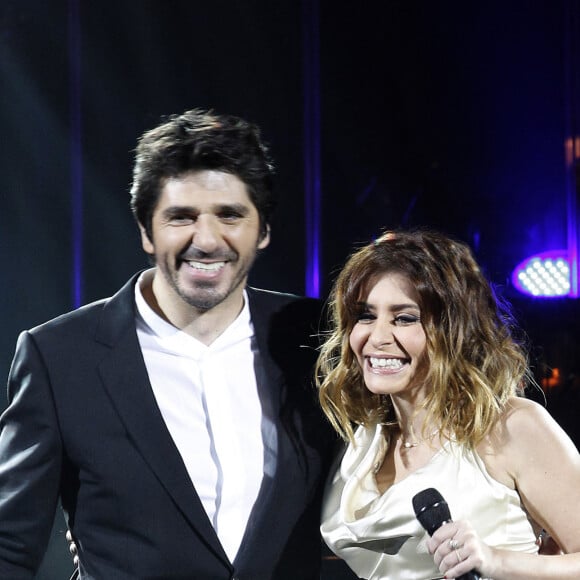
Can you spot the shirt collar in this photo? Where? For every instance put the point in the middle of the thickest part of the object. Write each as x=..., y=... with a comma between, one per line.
x=174, y=339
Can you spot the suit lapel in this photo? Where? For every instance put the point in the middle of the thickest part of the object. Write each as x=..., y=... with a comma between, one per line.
x=271, y=386
x=125, y=379
x=281, y=494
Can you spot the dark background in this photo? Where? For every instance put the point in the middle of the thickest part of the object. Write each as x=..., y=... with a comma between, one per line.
x=448, y=114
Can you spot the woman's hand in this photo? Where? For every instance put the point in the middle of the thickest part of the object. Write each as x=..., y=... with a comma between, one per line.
x=457, y=550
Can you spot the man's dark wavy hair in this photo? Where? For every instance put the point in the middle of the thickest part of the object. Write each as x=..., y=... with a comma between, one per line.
x=201, y=140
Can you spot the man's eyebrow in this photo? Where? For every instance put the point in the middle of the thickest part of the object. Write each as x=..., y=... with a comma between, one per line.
x=240, y=208
x=173, y=210
x=177, y=209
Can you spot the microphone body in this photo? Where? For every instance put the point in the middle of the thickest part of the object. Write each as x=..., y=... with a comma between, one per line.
x=432, y=512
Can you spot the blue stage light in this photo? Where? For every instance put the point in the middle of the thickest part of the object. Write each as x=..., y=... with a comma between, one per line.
x=545, y=275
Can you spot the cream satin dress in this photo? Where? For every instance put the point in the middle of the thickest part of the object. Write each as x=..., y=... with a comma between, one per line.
x=379, y=536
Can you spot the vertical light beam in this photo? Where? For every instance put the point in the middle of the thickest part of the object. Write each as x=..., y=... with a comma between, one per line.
x=312, y=166
x=572, y=143
x=75, y=151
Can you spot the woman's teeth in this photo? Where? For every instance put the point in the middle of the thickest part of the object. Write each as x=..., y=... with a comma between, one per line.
x=386, y=363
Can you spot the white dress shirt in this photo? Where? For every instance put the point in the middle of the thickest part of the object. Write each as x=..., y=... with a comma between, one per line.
x=209, y=400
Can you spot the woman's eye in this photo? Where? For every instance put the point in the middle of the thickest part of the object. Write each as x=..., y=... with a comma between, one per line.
x=406, y=319
x=365, y=317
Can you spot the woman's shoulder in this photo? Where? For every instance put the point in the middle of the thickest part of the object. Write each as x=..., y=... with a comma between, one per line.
x=525, y=418
x=522, y=426
x=519, y=425
x=520, y=412
x=527, y=431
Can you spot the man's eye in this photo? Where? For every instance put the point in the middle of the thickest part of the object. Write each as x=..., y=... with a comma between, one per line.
x=230, y=216
x=181, y=220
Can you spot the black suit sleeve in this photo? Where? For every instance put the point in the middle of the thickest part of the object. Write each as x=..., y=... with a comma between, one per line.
x=30, y=464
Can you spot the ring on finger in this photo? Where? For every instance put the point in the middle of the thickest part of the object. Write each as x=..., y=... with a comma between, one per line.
x=459, y=555
x=453, y=544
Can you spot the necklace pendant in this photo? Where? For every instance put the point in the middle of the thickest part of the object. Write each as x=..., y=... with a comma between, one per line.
x=411, y=444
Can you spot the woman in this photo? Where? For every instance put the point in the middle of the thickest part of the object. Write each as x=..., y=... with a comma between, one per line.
x=423, y=361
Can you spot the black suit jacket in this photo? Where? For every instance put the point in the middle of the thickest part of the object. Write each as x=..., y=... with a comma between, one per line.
x=83, y=425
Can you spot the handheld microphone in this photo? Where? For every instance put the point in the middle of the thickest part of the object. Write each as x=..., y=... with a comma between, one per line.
x=432, y=512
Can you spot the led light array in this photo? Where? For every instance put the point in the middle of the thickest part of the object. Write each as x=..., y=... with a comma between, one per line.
x=544, y=276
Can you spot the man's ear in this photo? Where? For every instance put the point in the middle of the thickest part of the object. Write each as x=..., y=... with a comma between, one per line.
x=146, y=243
x=264, y=239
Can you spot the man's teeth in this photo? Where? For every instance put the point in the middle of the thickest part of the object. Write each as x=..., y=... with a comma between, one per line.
x=386, y=363
x=212, y=266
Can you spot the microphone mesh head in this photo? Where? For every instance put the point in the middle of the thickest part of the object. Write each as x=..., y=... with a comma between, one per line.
x=431, y=509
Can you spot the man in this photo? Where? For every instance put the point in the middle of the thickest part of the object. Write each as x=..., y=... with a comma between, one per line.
x=176, y=420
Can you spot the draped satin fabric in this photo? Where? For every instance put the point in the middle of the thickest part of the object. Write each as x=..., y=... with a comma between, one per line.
x=379, y=536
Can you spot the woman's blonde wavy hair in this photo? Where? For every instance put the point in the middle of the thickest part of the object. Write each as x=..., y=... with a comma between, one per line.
x=474, y=364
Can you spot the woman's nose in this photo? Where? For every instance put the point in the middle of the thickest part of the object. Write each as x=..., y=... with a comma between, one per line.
x=382, y=334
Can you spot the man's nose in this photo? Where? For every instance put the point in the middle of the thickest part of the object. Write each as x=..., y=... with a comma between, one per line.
x=206, y=234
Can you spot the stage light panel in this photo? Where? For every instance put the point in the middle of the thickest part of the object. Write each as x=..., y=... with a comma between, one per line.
x=545, y=275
